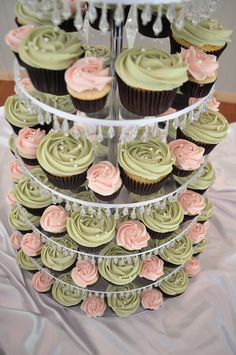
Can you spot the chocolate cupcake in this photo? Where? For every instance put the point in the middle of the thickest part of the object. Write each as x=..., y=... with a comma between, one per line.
x=125, y=302
x=18, y=222
x=53, y=221
x=192, y=204
x=63, y=295
x=178, y=253
x=207, y=212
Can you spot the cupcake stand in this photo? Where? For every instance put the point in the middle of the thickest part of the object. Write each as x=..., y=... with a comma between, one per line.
x=110, y=127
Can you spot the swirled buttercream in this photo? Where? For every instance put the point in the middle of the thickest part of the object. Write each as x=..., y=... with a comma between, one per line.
x=188, y=155
x=191, y=202
x=42, y=282
x=85, y=273
x=192, y=267
x=176, y=284
x=63, y=295
x=31, y=244
x=94, y=306
x=151, y=299
x=152, y=268
x=54, y=219
x=123, y=304
x=178, y=253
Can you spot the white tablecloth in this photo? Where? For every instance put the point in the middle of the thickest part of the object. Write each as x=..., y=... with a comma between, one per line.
x=201, y=321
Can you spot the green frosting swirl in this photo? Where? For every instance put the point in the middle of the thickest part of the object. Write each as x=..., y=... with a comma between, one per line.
x=206, y=32
x=200, y=247
x=98, y=51
x=45, y=47
x=150, y=160
x=26, y=15
x=119, y=272
x=163, y=220
x=62, y=103
x=211, y=128
x=18, y=114
x=171, y=130
x=30, y=195
x=91, y=230
x=63, y=155
x=59, y=260
x=180, y=252
x=17, y=221
x=25, y=261
x=151, y=69
x=207, y=212
x=176, y=284
x=123, y=305
x=63, y=295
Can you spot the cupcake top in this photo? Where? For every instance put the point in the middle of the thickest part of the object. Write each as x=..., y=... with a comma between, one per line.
x=58, y=259
x=151, y=299
x=10, y=198
x=104, y=178
x=42, y=282
x=149, y=160
x=17, y=221
x=54, y=219
x=14, y=37
x=28, y=140
x=26, y=14
x=206, y=32
x=25, y=261
x=200, y=247
x=176, y=284
x=119, y=272
x=178, y=253
x=198, y=232
x=207, y=212
x=151, y=69
x=191, y=202
x=123, y=304
x=15, y=239
x=45, y=47
x=31, y=244
x=85, y=273
x=63, y=155
x=188, y=155
x=163, y=220
x=152, y=268
x=98, y=51
x=132, y=235
x=91, y=230
x=94, y=306
x=63, y=295
x=192, y=267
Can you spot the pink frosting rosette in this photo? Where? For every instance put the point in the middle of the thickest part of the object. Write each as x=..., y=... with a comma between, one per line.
x=15, y=171
x=85, y=273
x=31, y=244
x=188, y=155
x=151, y=299
x=10, y=198
x=88, y=74
x=192, y=266
x=197, y=232
x=200, y=64
x=14, y=37
x=132, y=235
x=26, y=84
x=94, y=306
x=104, y=178
x=191, y=202
x=42, y=282
x=54, y=219
x=213, y=104
x=28, y=140
x=152, y=268
x=15, y=239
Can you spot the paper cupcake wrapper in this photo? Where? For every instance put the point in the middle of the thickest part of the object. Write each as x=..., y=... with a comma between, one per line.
x=92, y=250
x=169, y=296
x=180, y=102
x=18, y=59
x=182, y=173
x=46, y=127
x=31, y=162
x=144, y=102
x=18, y=23
x=147, y=30
x=198, y=191
x=191, y=89
x=95, y=24
x=67, y=182
x=158, y=235
x=89, y=106
x=108, y=198
x=54, y=235
x=202, y=222
x=208, y=147
x=188, y=217
x=169, y=264
x=24, y=232
x=35, y=211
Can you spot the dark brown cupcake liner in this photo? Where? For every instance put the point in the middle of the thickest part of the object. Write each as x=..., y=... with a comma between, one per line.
x=158, y=235
x=108, y=198
x=169, y=296
x=181, y=173
x=67, y=182
x=168, y=263
x=18, y=23
x=198, y=191
x=144, y=102
x=89, y=106
x=53, y=235
x=191, y=89
x=208, y=147
x=46, y=127
x=68, y=25
x=35, y=211
x=95, y=24
x=24, y=232
x=188, y=217
x=180, y=102
x=31, y=162
x=202, y=222
x=147, y=30
x=18, y=59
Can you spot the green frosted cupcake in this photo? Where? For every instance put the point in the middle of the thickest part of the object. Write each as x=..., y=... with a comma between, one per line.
x=25, y=262
x=123, y=304
x=65, y=159
x=28, y=15
x=200, y=247
x=67, y=296
x=177, y=254
x=207, y=212
x=62, y=103
x=175, y=285
x=18, y=222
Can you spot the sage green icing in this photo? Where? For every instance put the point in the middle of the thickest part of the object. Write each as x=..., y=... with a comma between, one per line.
x=100, y=150
x=176, y=284
x=18, y=114
x=207, y=212
x=11, y=144
x=140, y=198
x=200, y=247
x=17, y=221
x=91, y=230
x=180, y=252
x=98, y=51
x=171, y=130
x=151, y=69
x=123, y=305
x=119, y=272
x=62, y=103
x=27, y=15
x=25, y=261
x=85, y=196
x=63, y=295
x=63, y=155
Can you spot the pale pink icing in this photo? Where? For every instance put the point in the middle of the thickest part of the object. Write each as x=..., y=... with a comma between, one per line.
x=73, y=7
x=132, y=235
x=104, y=178
x=15, y=171
x=200, y=64
x=28, y=140
x=198, y=231
x=85, y=273
x=16, y=238
x=188, y=155
x=31, y=244
x=191, y=202
x=88, y=74
x=14, y=37
x=213, y=105
x=10, y=198
x=42, y=282
x=152, y=268
x=54, y=219
x=94, y=306
x=169, y=111
x=151, y=299
x=192, y=266
x=27, y=84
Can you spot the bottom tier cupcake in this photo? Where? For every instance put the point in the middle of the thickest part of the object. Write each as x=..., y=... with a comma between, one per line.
x=175, y=285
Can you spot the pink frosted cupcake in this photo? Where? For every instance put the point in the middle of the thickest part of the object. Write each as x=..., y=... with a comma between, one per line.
x=27, y=143
x=197, y=233
x=42, y=282
x=151, y=299
x=94, y=306
x=15, y=171
x=189, y=157
x=15, y=239
x=54, y=220
x=104, y=180
x=152, y=268
x=192, y=267
x=31, y=244
x=132, y=235
x=192, y=204
x=201, y=72
x=10, y=198
x=88, y=83
x=26, y=84
x=85, y=273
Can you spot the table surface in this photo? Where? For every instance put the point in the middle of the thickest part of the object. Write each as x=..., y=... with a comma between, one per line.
x=201, y=321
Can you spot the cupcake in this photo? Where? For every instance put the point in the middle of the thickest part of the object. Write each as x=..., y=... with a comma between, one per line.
x=192, y=204
x=47, y=54
x=192, y=267
x=53, y=221
x=132, y=235
x=10, y=198
x=180, y=102
x=148, y=80
x=62, y=103
x=65, y=159
x=209, y=130
x=27, y=85
x=177, y=254
x=98, y=51
x=175, y=285
x=85, y=273
x=161, y=222
x=94, y=306
x=31, y=244
x=15, y=239
x=197, y=232
x=123, y=303
x=58, y=259
x=67, y=296
x=28, y=14
x=201, y=72
x=151, y=299
x=18, y=222
x=15, y=171
x=188, y=155
x=208, y=36
x=118, y=271
x=25, y=262
x=42, y=282
x=89, y=84
x=104, y=180
x=144, y=166
x=200, y=247
x=207, y=212
x=152, y=268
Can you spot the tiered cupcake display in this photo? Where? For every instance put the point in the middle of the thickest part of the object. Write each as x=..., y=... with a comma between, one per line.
x=111, y=165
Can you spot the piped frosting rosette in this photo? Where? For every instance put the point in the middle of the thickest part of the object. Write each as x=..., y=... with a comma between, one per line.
x=31, y=244
x=191, y=202
x=123, y=304
x=15, y=36
x=42, y=281
x=192, y=267
x=176, y=284
x=98, y=51
x=17, y=221
x=207, y=212
x=94, y=306
x=132, y=235
x=54, y=219
x=25, y=14
x=25, y=262
x=200, y=247
x=118, y=271
x=178, y=253
x=85, y=273
x=15, y=170
x=15, y=239
x=27, y=142
x=63, y=295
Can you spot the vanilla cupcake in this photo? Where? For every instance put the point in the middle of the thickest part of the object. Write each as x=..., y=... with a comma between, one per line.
x=14, y=37
x=27, y=143
x=152, y=268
